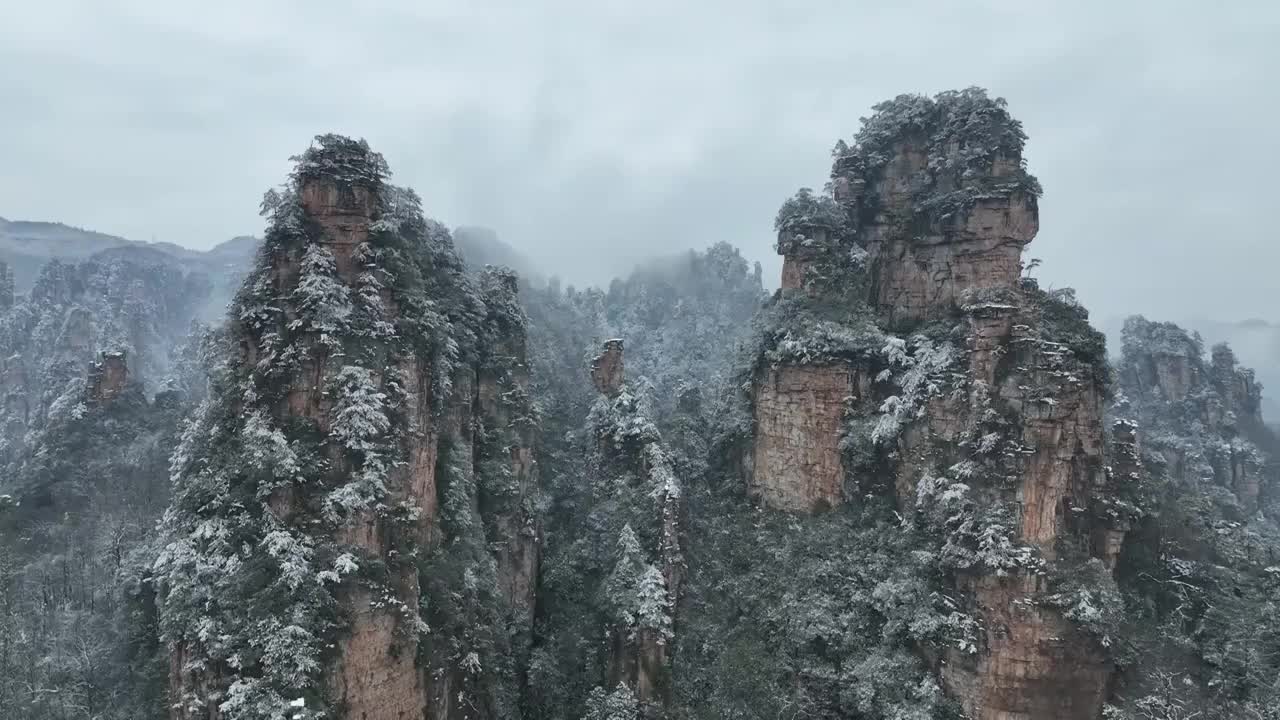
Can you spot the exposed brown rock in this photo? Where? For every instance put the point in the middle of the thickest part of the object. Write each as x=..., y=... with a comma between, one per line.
x=801, y=251
x=924, y=264
x=1215, y=406
x=1242, y=471
x=423, y=450
x=107, y=378
x=796, y=457
x=1063, y=430
x=1036, y=664
x=374, y=675
x=989, y=329
x=639, y=653
x=344, y=211
x=202, y=685
x=638, y=662
x=1033, y=663
x=606, y=369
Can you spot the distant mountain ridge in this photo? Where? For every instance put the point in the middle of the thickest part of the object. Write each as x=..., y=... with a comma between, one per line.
x=27, y=245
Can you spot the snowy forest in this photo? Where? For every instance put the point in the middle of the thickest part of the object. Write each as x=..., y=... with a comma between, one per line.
x=369, y=467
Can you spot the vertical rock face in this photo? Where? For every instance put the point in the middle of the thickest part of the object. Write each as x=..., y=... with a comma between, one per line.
x=1037, y=664
x=107, y=378
x=1237, y=386
x=1174, y=376
x=76, y=339
x=6, y=286
x=1126, y=469
x=644, y=586
x=1047, y=473
x=987, y=411
x=17, y=406
x=1197, y=413
x=344, y=209
x=506, y=410
x=940, y=211
x=801, y=248
x=349, y=446
x=606, y=369
x=799, y=413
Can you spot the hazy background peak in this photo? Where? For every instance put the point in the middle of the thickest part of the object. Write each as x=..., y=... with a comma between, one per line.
x=592, y=135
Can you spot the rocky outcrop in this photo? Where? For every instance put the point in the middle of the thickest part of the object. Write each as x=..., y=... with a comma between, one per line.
x=994, y=412
x=644, y=587
x=507, y=412
x=17, y=403
x=801, y=247
x=379, y=407
x=107, y=378
x=1238, y=387
x=344, y=207
x=1201, y=415
x=6, y=287
x=77, y=337
x=1126, y=469
x=607, y=369
x=937, y=216
x=1036, y=664
x=799, y=414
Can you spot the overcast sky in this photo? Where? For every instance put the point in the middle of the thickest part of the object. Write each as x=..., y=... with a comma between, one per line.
x=594, y=133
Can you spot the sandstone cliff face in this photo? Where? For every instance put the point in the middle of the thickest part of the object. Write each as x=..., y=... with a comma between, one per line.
x=344, y=210
x=801, y=250
x=107, y=378
x=607, y=369
x=1004, y=407
x=799, y=414
x=924, y=260
x=367, y=422
x=1038, y=663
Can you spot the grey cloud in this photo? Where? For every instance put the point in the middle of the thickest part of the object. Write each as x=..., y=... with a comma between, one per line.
x=594, y=134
